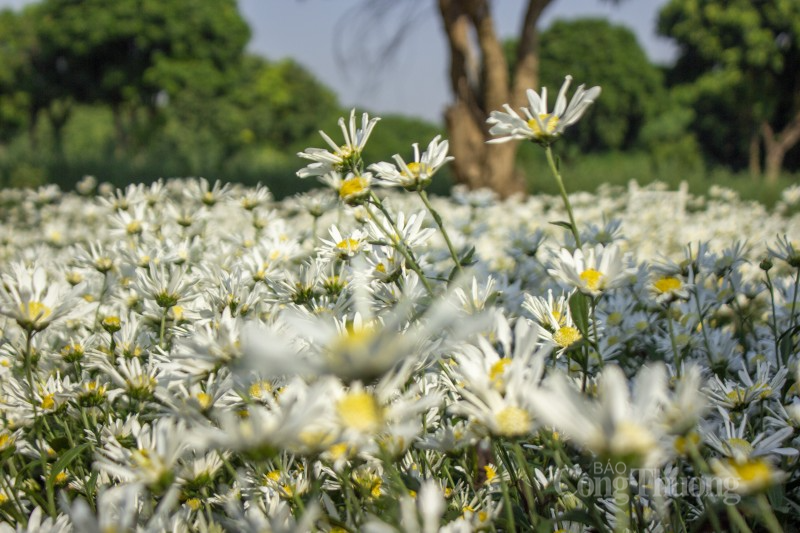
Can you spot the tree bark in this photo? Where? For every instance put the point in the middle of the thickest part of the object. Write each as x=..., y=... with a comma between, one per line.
x=754, y=155
x=479, y=79
x=776, y=146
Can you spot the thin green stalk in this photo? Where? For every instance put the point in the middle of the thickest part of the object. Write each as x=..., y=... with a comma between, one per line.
x=528, y=486
x=400, y=246
x=675, y=352
x=28, y=362
x=512, y=527
x=736, y=518
x=594, y=331
x=622, y=499
x=768, y=515
x=709, y=355
x=774, y=320
x=438, y=219
x=554, y=168
x=794, y=299
x=163, y=328
x=20, y=513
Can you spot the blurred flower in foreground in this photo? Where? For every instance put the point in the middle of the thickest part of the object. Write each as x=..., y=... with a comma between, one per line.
x=618, y=425
x=27, y=296
x=538, y=125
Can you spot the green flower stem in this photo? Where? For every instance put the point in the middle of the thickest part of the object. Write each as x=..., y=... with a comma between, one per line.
x=700, y=315
x=29, y=371
x=511, y=525
x=163, y=328
x=398, y=243
x=794, y=300
x=594, y=331
x=563, y=191
x=736, y=518
x=774, y=321
x=17, y=510
x=438, y=219
x=767, y=514
x=528, y=486
x=675, y=353
x=702, y=467
x=622, y=500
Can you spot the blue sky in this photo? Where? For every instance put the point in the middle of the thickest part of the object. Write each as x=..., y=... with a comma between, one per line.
x=415, y=81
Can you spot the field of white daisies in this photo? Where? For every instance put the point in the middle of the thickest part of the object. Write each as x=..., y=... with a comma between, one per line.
x=196, y=356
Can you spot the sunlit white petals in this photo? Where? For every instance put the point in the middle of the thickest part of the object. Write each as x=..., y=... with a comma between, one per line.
x=536, y=123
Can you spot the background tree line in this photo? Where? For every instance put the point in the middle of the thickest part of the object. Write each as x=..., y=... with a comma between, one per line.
x=142, y=89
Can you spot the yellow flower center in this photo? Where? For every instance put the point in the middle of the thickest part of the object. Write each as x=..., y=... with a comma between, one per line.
x=348, y=245
x=204, y=399
x=260, y=389
x=631, y=439
x=491, y=473
x=497, y=371
x=194, y=503
x=739, y=447
x=550, y=123
x=567, y=336
x=737, y=396
x=667, y=284
x=614, y=319
x=34, y=311
x=354, y=187
x=360, y=411
x=757, y=472
x=112, y=322
x=338, y=451
x=133, y=227
x=513, y=421
x=5, y=441
x=48, y=401
x=684, y=444
x=592, y=279
x=417, y=168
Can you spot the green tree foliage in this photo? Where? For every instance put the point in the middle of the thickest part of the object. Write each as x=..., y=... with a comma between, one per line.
x=596, y=52
x=129, y=54
x=739, y=68
x=143, y=89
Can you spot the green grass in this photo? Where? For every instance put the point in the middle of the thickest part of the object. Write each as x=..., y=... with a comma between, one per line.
x=588, y=172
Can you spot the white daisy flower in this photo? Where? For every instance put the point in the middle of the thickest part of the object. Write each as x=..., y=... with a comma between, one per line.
x=537, y=124
x=340, y=158
x=618, y=425
x=34, y=301
x=592, y=271
x=415, y=174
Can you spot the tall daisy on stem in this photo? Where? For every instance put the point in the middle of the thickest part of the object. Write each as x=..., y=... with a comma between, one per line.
x=416, y=175
x=539, y=125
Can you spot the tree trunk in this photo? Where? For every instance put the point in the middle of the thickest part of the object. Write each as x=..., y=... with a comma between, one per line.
x=120, y=131
x=754, y=156
x=776, y=146
x=479, y=78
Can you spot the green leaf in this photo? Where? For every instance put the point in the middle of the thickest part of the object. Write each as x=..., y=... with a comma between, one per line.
x=466, y=259
x=579, y=307
x=59, y=467
x=563, y=224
